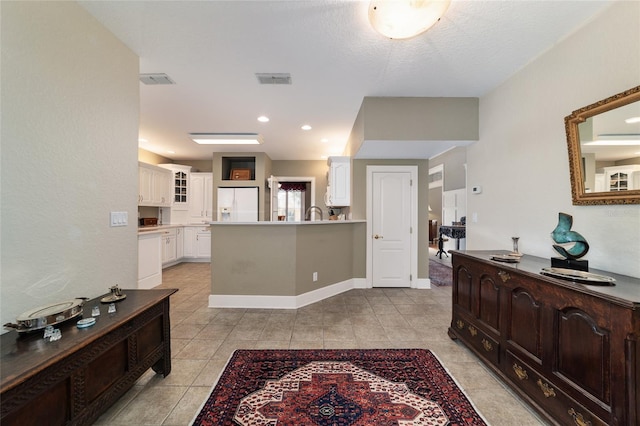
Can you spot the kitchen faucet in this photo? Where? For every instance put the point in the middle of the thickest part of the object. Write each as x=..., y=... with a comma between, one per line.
x=307, y=215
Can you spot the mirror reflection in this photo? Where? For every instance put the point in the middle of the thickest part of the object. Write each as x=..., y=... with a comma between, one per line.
x=610, y=146
x=604, y=150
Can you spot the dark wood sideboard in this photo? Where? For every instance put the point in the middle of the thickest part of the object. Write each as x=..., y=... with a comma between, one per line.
x=73, y=380
x=572, y=351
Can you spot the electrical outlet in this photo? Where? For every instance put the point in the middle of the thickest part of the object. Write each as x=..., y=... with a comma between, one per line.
x=315, y=276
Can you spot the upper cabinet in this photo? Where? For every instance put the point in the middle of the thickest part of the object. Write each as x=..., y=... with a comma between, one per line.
x=153, y=186
x=622, y=178
x=339, y=182
x=201, y=193
x=180, y=193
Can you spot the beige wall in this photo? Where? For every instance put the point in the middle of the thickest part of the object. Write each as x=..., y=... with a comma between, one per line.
x=281, y=261
x=149, y=157
x=69, y=156
x=521, y=159
x=414, y=119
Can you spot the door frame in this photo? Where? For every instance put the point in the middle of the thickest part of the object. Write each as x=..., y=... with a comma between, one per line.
x=413, y=170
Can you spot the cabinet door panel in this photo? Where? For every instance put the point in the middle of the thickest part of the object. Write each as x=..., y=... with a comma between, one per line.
x=525, y=323
x=489, y=308
x=463, y=288
x=583, y=353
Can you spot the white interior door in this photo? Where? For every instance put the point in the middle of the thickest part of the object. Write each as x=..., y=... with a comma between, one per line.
x=392, y=210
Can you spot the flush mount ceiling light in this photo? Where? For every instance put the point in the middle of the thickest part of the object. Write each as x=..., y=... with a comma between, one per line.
x=305, y=127
x=399, y=19
x=226, y=138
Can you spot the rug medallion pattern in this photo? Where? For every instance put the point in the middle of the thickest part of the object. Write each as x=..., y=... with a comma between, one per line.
x=351, y=387
x=336, y=393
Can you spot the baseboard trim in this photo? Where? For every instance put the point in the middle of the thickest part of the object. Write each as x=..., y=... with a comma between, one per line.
x=423, y=284
x=284, y=302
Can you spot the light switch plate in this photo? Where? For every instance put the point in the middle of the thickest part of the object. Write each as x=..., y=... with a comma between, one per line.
x=119, y=218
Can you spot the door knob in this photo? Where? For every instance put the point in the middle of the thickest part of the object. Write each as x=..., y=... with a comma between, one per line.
x=378, y=236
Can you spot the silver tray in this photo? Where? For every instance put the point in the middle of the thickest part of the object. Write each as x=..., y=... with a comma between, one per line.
x=42, y=316
x=507, y=258
x=578, y=276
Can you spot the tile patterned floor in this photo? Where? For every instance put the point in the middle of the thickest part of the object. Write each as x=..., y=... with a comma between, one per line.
x=203, y=339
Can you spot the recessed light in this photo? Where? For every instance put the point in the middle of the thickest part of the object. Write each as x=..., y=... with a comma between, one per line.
x=306, y=127
x=263, y=119
x=632, y=120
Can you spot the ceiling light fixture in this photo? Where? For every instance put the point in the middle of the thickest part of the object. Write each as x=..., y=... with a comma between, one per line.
x=226, y=138
x=263, y=119
x=632, y=120
x=400, y=19
x=305, y=127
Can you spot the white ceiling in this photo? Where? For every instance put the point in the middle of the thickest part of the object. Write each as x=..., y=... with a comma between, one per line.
x=212, y=50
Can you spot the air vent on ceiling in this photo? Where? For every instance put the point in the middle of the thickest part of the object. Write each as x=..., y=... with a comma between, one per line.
x=274, y=78
x=158, y=78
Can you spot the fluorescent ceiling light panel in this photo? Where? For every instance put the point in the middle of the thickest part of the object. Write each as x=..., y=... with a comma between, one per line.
x=226, y=138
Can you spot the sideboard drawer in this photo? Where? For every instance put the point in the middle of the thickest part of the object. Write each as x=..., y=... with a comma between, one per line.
x=550, y=398
x=488, y=346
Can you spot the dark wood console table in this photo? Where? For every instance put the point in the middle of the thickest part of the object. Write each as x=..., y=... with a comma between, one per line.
x=73, y=380
x=572, y=351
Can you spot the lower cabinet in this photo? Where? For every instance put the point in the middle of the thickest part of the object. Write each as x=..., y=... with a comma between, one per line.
x=571, y=350
x=197, y=243
x=169, y=247
x=150, y=251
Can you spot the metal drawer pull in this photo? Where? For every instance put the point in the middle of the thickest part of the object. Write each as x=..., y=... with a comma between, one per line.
x=473, y=330
x=546, y=389
x=486, y=345
x=460, y=324
x=578, y=418
x=520, y=372
x=504, y=276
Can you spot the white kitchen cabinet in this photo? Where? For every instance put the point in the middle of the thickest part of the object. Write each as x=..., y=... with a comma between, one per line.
x=201, y=192
x=179, y=186
x=153, y=186
x=149, y=260
x=203, y=243
x=179, y=243
x=338, y=182
x=622, y=178
x=169, y=247
x=197, y=243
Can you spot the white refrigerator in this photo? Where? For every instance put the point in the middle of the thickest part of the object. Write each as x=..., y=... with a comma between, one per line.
x=238, y=204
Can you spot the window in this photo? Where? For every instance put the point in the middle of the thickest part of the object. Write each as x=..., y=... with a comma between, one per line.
x=291, y=204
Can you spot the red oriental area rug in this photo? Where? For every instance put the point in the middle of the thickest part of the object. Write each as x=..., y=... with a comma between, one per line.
x=349, y=387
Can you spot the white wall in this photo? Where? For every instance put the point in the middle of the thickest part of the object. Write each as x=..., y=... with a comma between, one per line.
x=521, y=160
x=68, y=156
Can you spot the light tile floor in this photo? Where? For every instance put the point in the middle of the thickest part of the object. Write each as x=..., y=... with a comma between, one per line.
x=203, y=339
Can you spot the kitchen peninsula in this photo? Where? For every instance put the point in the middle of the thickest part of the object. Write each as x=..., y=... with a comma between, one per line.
x=285, y=265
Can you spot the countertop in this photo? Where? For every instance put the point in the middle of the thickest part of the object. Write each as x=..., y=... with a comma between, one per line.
x=283, y=223
x=159, y=228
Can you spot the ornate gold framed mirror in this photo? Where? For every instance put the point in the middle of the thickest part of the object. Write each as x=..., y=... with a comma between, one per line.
x=604, y=150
